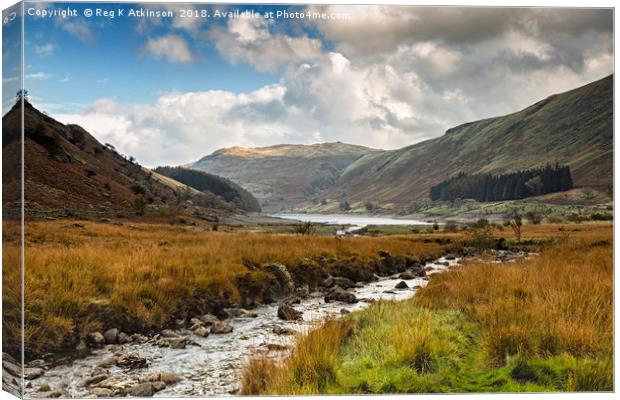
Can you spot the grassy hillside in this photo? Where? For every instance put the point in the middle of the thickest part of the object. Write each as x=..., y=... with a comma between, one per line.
x=573, y=128
x=69, y=173
x=285, y=175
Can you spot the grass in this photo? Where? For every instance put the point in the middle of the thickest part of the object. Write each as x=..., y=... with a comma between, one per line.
x=535, y=325
x=82, y=276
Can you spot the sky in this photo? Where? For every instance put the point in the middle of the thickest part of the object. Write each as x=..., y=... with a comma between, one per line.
x=170, y=90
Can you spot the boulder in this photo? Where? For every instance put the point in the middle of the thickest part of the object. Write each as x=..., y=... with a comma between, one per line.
x=142, y=390
x=93, y=380
x=131, y=361
x=344, y=283
x=202, y=331
x=123, y=338
x=407, y=275
x=44, y=388
x=209, y=319
x=177, y=342
x=159, y=385
x=401, y=285
x=33, y=373
x=95, y=339
x=288, y=313
x=169, y=333
x=287, y=285
x=338, y=294
x=111, y=336
x=279, y=330
x=101, y=392
x=168, y=378
x=221, y=327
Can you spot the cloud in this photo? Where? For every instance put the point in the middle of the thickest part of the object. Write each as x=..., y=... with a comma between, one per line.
x=79, y=29
x=170, y=47
x=37, y=76
x=45, y=49
x=252, y=41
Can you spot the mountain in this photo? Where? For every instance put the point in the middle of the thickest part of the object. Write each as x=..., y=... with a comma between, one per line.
x=285, y=175
x=216, y=185
x=67, y=172
x=574, y=128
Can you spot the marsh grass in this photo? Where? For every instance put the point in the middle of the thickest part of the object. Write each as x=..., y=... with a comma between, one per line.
x=535, y=325
x=82, y=276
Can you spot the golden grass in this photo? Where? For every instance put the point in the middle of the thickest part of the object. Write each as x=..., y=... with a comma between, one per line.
x=555, y=308
x=142, y=276
x=560, y=301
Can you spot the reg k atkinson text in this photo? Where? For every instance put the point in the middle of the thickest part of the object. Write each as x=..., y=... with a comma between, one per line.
x=111, y=13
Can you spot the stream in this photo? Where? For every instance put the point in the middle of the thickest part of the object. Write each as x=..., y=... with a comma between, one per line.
x=214, y=367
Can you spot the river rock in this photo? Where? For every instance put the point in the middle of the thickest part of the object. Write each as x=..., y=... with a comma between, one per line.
x=179, y=323
x=221, y=327
x=401, y=285
x=95, y=339
x=101, y=392
x=131, y=361
x=344, y=311
x=177, y=342
x=44, y=388
x=202, y=331
x=344, y=283
x=142, y=390
x=450, y=257
x=209, y=319
x=12, y=367
x=429, y=268
x=33, y=373
x=168, y=378
x=407, y=275
x=240, y=313
x=169, y=333
x=280, y=330
x=95, y=379
x=108, y=362
x=159, y=385
x=111, y=336
x=123, y=338
x=138, y=338
x=338, y=294
x=288, y=313
x=287, y=285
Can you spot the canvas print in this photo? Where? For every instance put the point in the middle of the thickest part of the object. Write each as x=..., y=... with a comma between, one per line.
x=253, y=199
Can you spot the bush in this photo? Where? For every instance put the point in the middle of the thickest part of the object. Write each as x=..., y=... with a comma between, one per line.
x=345, y=206
x=534, y=217
x=450, y=226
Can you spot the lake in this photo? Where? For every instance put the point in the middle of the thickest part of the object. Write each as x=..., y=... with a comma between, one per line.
x=354, y=221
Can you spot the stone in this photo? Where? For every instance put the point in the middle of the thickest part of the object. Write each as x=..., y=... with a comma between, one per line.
x=159, y=385
x=168, y=333
x=177, y=343
x=338, y=294
x=202, y=331
x=12, y=367
x=195, y=322
x=168, y=378
x=111, y=336
x=401, y=285
x=123, y=338
x=95, y=339
x=101, y=392
x=287, y=285
x=288, y=313
x=131, y=361
x=221, y=327
x=138, y=338
x=142, y=390
x=45, y=388
x=108, y=362
x=407, y=275
x=209, y=319
x=279, y=330
x=95, y=379
x=344, y=311
x=33, y=373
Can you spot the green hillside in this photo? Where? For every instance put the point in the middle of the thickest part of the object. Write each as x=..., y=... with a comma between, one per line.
x=208, y=183
x=573, y=128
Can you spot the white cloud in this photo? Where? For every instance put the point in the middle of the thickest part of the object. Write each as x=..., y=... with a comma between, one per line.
x=252, y=41
x=170, y=47
x=44, y=49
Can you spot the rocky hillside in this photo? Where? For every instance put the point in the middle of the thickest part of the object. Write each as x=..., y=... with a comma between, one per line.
x=573, y=128
x=69, y=173
x=285, y=175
